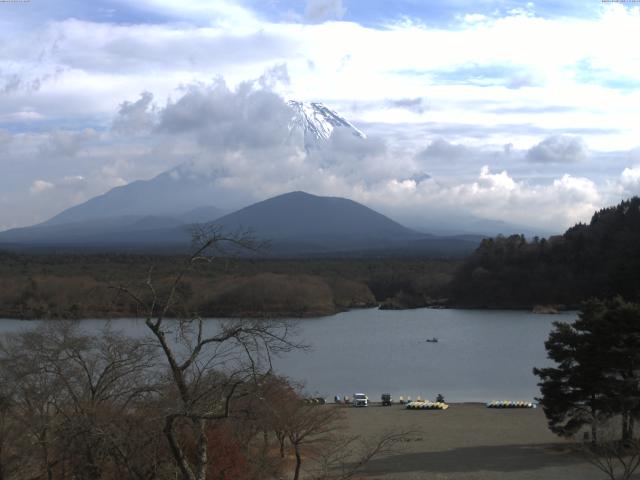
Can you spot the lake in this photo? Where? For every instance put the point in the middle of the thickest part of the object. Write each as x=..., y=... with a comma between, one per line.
x=481, y=355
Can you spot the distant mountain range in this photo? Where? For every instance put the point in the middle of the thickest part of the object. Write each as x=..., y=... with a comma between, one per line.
x=187, y=187
x=294, y=224
x=156, y=214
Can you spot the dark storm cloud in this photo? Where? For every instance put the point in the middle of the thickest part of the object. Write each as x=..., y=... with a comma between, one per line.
x=558, y=149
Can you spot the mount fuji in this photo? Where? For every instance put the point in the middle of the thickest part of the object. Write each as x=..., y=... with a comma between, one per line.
x=317, y=122
x=177, y=192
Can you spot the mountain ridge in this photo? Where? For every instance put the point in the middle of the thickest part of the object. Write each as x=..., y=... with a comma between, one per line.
x=295, y=223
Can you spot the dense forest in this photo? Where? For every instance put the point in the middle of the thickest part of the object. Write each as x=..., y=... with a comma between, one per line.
x=599, y=259
x=81, y=286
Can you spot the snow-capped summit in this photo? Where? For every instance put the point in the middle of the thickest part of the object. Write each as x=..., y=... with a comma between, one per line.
x=318, y=122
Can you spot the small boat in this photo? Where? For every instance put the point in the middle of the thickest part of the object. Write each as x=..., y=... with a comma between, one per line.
x=431, y=340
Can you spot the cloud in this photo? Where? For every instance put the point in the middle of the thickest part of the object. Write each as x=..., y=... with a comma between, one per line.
x=14, y=82
x=494, y=181
x=5, y=138
x=66, y=143
x=221, y=118
x=52, y=195
x=497, y=196
x=98, y=63
x=102, y=48
x=586, y=72
x=440, y=149
x=416, y=105
x=200, y=11
x=318, y=10
x=533, y=109
x=558, y=149
x=233, y=142
x=418, y=177
x=630, y=180
x=278, y=74
x=65, y=75
x=507, y=75
x=239, y=133
x=135, y=117
x=40, y=186
x=23, y=116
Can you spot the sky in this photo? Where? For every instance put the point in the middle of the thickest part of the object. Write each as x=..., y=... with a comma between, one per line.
x=525, y=112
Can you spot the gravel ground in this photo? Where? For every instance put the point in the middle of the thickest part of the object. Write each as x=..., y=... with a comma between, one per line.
x=470, y=441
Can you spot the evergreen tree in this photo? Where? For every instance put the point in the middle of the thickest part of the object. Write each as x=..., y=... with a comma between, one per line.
x=597, y=372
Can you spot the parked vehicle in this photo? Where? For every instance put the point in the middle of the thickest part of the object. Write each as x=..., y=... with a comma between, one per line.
x=360, y=400
x=386, y=399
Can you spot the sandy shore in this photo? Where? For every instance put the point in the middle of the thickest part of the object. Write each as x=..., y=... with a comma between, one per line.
x=470, y=441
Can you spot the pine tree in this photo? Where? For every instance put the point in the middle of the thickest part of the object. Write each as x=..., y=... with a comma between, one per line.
x=597, y=372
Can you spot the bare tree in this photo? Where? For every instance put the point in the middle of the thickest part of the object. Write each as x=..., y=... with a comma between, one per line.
x=31, y=403
x=207, y=366
x=310, y=426
x=74, y=394
x=10, y=435
x=617, y=459
x=347, y=456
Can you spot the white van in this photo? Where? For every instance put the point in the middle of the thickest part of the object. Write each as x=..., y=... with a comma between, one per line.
x=360, y=400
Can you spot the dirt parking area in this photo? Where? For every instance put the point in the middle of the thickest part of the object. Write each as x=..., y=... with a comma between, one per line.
x=470, y=441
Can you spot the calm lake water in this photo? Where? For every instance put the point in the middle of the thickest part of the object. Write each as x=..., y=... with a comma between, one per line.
x=481, y=355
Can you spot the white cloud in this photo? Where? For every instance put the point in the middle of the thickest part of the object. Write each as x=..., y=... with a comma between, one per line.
x=497, y=196
x=447, y=125
x=630, y=180
x=22, y=116
x=494, y=181
x=87, y=68
x=474, y=18
x=40, y=186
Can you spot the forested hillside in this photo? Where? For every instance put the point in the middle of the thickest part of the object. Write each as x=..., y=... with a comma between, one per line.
x=601, y=259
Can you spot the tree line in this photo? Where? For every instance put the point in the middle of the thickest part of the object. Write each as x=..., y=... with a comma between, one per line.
x=599, y=259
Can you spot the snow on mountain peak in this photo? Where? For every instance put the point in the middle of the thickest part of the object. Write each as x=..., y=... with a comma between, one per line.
x=317, y=121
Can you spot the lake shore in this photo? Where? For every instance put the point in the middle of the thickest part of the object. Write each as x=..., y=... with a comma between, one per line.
x=469, y=441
